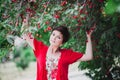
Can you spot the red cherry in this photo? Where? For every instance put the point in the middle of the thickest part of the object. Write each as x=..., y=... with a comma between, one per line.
x=78, y=28
x=83, y=18
x=93, y=28
x=21, y=15
x=56, y=16
x=49, y=28
x=79, y=22
x=63, y=3
x=14, y=1
x=81, y=11
x=88, y=31
x=28, y=10
x=74, y=17
x=35, y=6
x=91, y=5
x=47, y=22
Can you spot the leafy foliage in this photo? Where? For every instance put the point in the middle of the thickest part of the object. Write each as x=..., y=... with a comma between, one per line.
x=78, y=16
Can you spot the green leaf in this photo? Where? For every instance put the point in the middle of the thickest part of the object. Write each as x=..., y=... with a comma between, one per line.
x=110, y=7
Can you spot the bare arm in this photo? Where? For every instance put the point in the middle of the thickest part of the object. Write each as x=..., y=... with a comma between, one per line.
x=27, y=36
x=89, y=52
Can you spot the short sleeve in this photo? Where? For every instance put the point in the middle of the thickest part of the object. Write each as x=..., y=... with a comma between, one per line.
x=73, y=56
x=38, y=45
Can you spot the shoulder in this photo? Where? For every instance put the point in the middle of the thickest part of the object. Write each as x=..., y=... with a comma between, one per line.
x=70, y=52
x=38, y=44
x=66, y=51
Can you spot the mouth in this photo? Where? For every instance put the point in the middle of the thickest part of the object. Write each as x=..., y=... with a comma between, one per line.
x=53, y=41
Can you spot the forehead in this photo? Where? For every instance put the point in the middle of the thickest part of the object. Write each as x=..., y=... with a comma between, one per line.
x=57, y=32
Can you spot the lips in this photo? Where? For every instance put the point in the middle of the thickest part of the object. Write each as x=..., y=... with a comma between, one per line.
x=52, y=41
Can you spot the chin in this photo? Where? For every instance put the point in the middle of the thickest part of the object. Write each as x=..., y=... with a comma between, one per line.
x=51, y=43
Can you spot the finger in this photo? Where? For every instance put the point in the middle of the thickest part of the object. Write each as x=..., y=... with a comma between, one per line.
x=30, y=35
x=93, y=28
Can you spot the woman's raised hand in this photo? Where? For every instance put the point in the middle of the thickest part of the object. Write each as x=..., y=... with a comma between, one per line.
x=89, y=32
x=27, y=36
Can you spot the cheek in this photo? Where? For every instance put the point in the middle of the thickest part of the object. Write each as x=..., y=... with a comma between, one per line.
x=59, y=41
x=50, y=37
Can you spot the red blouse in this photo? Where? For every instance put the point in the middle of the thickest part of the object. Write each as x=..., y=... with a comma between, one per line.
x=67, y=57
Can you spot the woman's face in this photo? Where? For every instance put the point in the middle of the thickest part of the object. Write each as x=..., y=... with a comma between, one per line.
x=56, y=38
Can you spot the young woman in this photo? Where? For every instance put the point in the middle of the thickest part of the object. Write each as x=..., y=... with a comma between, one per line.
x=52, y=61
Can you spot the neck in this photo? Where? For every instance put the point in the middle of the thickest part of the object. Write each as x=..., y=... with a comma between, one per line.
x=54, y=49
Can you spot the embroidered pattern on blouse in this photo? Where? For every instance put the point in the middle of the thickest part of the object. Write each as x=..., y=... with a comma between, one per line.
x=52, y=67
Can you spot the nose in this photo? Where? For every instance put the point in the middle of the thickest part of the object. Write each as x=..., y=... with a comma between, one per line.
x=54, y=38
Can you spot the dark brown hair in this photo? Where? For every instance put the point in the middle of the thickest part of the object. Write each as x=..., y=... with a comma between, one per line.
x=64, y=31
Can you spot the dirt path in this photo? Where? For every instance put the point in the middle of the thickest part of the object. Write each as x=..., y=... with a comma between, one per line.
x=8, y=71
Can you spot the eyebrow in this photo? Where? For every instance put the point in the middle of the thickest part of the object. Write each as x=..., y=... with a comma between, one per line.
x=58, y=31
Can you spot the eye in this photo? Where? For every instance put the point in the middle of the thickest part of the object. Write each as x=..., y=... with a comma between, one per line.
x=53, y=34
x=59, y=37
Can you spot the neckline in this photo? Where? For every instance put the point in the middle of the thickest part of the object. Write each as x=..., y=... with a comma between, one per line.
x=61, y=50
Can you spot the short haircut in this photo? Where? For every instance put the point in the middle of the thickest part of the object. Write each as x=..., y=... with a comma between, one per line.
x=64, y=31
